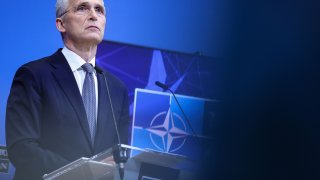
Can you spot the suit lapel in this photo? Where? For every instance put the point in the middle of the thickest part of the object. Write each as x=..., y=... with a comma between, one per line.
x=65, y=78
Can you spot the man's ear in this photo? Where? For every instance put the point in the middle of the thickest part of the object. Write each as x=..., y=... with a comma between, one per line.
x=60, y=25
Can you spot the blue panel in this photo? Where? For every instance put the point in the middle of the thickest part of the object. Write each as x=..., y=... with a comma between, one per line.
x=159, y=124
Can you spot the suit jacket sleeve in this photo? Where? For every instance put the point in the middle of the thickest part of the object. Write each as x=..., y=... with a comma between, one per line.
x=23, y=126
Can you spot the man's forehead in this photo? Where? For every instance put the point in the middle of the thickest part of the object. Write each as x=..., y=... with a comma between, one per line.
x=96, y=2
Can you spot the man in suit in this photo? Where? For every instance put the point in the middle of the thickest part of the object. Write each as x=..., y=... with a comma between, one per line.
x=54, y=116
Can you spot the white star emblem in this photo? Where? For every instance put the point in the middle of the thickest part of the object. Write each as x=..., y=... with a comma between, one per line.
x=165, y=126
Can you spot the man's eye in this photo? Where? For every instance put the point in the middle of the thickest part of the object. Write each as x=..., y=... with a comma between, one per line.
x=99, y=10
x=82, y=8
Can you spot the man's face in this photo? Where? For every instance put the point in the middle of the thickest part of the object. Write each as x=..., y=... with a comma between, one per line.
x=84, y=22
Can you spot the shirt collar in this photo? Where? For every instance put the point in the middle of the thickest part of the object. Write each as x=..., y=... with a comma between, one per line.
x=74, y=60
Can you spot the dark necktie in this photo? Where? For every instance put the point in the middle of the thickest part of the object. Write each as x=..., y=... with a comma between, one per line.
x=89, y=98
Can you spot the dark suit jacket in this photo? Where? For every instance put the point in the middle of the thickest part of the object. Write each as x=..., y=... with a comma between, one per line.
x=46, y=122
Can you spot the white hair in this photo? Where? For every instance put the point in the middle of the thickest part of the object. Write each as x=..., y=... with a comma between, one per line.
x=61, y=7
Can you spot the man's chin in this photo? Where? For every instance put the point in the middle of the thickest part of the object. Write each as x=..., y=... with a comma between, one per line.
x=93, y=39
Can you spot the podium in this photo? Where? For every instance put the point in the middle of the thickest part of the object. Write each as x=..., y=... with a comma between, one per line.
x=146, y=164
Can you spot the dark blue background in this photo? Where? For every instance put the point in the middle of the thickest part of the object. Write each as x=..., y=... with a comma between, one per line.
x=268, y=127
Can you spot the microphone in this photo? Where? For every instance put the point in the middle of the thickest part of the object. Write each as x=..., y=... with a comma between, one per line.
x=165, y=87
x=120, y=154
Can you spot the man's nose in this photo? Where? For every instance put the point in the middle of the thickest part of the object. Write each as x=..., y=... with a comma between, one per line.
x=93, y=14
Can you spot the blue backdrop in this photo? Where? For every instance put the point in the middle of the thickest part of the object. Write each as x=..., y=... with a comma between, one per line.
x=28, y=31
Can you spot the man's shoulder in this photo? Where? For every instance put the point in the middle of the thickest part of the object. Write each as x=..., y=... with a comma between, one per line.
x=41, y=63
x=36, y=63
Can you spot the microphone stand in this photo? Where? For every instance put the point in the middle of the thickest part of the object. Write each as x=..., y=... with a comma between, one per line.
x=120, y=154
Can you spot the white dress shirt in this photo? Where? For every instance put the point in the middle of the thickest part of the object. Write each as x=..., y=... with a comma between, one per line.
x=75, y=62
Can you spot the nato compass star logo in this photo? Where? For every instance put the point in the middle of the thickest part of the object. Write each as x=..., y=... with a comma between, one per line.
x=167, y=131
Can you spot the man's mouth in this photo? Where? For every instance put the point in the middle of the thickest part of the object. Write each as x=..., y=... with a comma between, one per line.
x=93, y=27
